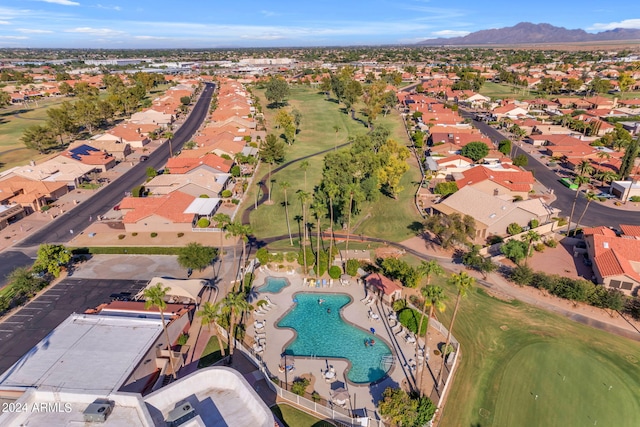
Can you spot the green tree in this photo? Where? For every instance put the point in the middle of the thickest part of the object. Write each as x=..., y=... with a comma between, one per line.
x=445, y=188
x=590, y=196
x=304, y=166
x=236, y=305
x=625, y=82
x=418, y=139
x=155, y=297
x=452, y=229
x=23, y=284
x=606, y=176
x=336, y=129
x=400, y=409
x=195, y=256
x=434, y=299
x=38, y=137
x=85, y=113
x=222, y=221
x=210, y=313
x=277, y=91
x=304, y=198
x=286, y=122
x=395, y=166
x=475, y=151
x=59, y=120
x=185, y=100
x=529, y=238
x=271, y=151
x=464, y=284
x=51, y=258
x=520, y=160
x=505, y=147
x=514, y=228
x=584, y=168
x=352, y=92
x=628, y=160
x=151, y=172
x=5, y=99
x=373, y=98
x=515, y=250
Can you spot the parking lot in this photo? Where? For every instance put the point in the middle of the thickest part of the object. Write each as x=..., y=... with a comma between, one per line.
x=26, y=327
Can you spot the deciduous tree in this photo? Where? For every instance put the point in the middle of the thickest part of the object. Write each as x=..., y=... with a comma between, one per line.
x=195, y=256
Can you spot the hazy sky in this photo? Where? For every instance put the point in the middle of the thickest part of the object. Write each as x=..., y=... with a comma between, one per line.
x=219, y=23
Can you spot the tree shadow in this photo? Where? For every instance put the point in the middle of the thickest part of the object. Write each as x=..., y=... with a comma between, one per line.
x=276, y=105
x=335, y=101
x=416, y=227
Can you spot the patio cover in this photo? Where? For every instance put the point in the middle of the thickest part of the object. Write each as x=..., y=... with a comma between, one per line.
x=203, y=206
x=179, y=289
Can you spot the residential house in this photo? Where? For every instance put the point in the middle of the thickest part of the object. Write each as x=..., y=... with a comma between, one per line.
x=212, y=162
x=196, y=183
x=29, y=194
x=10, y=213
x=152, y=117
x=90, y=156
x=386, y=289
x=616, y=259
x=508, y=180
x=158, y=214
x=493, y=214
x=119, y=150
x=126, y=133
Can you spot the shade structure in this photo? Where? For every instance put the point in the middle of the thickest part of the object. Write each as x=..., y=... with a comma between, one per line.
x=340, y=395
x=287, y=361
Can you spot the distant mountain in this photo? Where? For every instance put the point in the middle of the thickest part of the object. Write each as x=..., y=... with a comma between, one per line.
x=528, y=33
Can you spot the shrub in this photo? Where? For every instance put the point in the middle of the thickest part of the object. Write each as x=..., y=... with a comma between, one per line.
x=534, y=223
x=521, y=275
x=399, y=305
x=315, y=396
x=634, y=199
x=134, y=234
x=154, y=234
x=235, y=201
x=277, y=257
x=514, y=228
x=121, y=236
x=47, y=207
x=552, y=243
x=562, y=221
x=235, y=171
x=539, y=247
x=203, y=196
x=492, y=240
x=335, y=272
x=183, y=338
x=262, y=255
x=137, y=191
x=410, y=319
x=203, y=223
x=445, y=188
x=180, y=234
x=352, y=267
x=226, y=194
x=291, y=256
x=300, y=385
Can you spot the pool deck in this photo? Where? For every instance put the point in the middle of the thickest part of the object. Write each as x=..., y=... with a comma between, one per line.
x=356, y=313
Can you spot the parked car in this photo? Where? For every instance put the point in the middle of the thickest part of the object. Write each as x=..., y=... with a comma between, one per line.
x=144, y=158
x=116, y=208
x=606, y=195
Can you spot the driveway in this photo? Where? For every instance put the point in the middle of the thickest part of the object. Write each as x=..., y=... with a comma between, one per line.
x=33, y=322
x=131, y=267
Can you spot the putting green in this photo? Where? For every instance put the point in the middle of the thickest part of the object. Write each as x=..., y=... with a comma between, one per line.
x=553, y=384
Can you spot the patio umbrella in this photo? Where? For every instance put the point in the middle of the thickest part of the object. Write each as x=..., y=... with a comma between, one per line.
x=287, y=361
x=340, y=395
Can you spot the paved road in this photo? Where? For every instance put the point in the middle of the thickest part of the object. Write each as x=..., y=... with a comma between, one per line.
x=33, y=322
x=77, y=219
x=597, y=214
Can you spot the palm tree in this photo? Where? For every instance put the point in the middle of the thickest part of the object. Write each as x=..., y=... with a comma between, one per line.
x=285, y=185
x=578, y=180
x=304, y=165
x=243, y=231
x=236, y=305
x=606, y=176
x=434, y=298
x=222, y=221
x=169, y=136
x=318, y=209
x=332, y=193
x=602, y=155
x=303, y=196
x=336, y=129
x=232, y=231
x=529, y=237
x=154, y=297
x=463, y=283
x=351, y=191
x=584, y=168
x=210, y=313
x=428, y=269
x=590, y=196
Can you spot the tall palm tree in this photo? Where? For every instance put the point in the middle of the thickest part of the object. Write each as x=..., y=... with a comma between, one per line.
x=285, y=185
x=529, y=237
x=222, y=221
x=349, y=208
x=590, y=196
x=463, y=283
x=232, y=231
x=602, y=155
x=318, y=209
x=428, y=269
x=210, y=313
x=304, y=165
x=584, y=168
x=236, y=305
x=434, y=298
x=244, y=231
x=332, y=193
x=154, y=297
x=580, y=180
x=336, y=129
x=606, y=176
x=169, y=136
x=303, y=196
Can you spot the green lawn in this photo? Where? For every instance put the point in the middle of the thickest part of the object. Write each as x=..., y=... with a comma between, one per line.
x=12, y=149
x=211, y=353
x=498, y=90
x=317, y=134
x=292, y=417
x=501, y=90
x=512, y=352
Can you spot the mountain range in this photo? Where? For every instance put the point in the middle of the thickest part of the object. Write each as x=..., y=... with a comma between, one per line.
x=528, y=33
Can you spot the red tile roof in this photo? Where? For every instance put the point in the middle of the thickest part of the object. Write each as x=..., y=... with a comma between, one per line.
x=171, y=207
x=181, y=165
x=514, y=180
x=383, y=283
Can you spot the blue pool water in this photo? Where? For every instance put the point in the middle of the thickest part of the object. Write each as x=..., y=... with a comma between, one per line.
x=325, y=334
x=273, y=285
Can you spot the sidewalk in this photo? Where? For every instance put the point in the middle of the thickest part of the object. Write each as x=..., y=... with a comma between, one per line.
x=503, y=289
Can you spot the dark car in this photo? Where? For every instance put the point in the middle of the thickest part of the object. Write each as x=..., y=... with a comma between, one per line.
x=116, y=208
x=144, y=158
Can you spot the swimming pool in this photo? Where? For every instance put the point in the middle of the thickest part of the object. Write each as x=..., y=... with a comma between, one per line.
x=273, y=285
x=322, y=332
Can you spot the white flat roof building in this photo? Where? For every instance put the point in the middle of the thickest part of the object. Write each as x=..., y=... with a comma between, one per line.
x=87, y=353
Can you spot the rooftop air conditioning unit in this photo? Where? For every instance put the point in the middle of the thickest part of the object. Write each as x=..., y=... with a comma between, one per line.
x=180, y=415
x=98, y=411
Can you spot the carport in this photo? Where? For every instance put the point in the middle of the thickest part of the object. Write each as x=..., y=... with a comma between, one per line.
x=179, y=290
